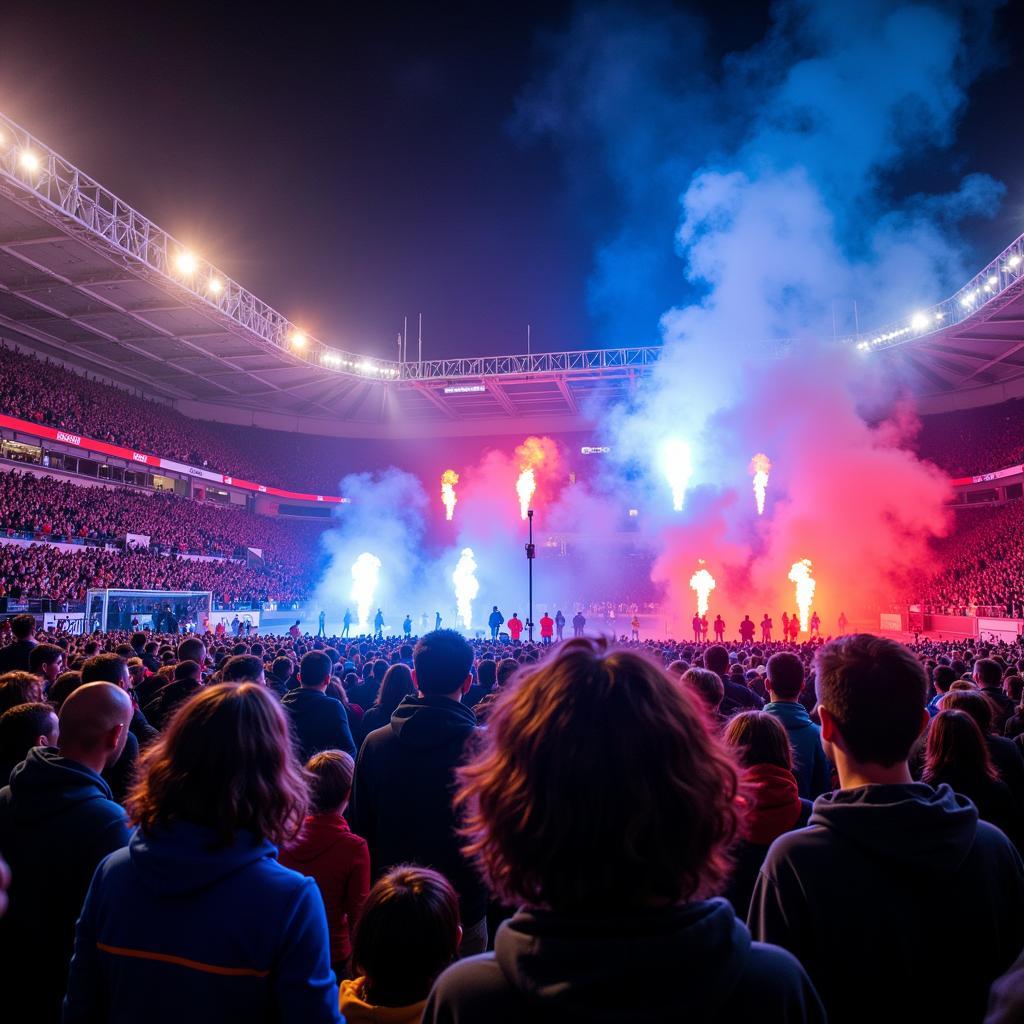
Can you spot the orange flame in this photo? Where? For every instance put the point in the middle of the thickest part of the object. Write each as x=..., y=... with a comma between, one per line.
x=800, y=574
x=449, y=478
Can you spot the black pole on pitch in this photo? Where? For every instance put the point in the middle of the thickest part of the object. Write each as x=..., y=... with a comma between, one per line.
x=531, y=554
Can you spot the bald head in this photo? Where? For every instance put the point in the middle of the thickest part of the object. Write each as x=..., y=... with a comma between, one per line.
x=94, y=724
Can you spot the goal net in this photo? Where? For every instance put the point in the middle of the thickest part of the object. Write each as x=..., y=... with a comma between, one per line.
x=165, y=611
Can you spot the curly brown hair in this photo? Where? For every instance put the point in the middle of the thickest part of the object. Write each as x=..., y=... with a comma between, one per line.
x=598, y=775
x=225, y=761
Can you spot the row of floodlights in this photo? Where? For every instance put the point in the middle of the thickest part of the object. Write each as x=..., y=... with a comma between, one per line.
x=918, y=322
x=186, y=264
x=968, y=299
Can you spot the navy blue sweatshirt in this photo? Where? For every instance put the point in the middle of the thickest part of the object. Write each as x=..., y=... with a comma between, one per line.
x=177, y=928
x=692, y=963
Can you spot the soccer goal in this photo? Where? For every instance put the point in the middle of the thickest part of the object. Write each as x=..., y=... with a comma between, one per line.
x=165, y=611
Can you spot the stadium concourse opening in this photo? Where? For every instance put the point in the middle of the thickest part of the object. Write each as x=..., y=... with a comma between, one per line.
x=649, y=607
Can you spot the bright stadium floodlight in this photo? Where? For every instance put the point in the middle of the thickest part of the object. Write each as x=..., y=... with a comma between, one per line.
x=1013, y=261
x=919, y=321
x=940, y=316
x=29, y=161
x=186, y=262
x=215, y=286
x=298, y=339
x=993, y=281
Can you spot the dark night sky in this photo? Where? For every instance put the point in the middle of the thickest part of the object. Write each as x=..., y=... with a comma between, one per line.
x=353, y=166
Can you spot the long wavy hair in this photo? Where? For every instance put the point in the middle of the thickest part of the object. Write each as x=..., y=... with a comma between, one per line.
x=225, y=761
x=956, y=750
x=598, y=774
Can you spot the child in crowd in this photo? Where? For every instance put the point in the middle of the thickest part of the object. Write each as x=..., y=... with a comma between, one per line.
x=407, y=935
x=327, y=851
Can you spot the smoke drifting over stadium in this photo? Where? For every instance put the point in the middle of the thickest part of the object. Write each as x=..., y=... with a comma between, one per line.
x=754, y=199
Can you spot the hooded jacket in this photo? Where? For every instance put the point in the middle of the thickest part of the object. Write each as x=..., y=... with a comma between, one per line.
x=57, y=822
x=693, y=963
x=402, y=801
x=318, y=722
x=188, y=930
x=885, y=881
x=339, y=863
x=773, y=806
x=810, y=766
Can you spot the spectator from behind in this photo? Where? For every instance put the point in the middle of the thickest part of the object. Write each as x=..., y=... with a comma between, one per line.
x=243, y=668
x=988, y=677
x=785, y=677
x=19, y=688
x=396, y=687
x=197, y=908
x=408, y=934
x=957, y=756
x=707, y=687
x=57, y=822
x=402, y=804
x=905, y=853
x=611, y=878
x=328, y=852
x=738, y=697
x=22, y=728
x=184, y=682
x=318, y=722
x=1005, y=754
x=770, y=796
x=15, y=656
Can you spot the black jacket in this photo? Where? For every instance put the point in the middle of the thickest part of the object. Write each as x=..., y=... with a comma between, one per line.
x=14, y=657
x=691, y=963
x=318, y=722
x=57, y=822
x=1008, y=761
x=402, y=802
x=881, y=882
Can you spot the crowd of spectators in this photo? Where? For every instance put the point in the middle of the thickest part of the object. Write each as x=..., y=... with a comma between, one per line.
x=969, y=442
x=707, y=832
x=44, y=570
x=43, y=392
x=980, y=564
x=59, y=510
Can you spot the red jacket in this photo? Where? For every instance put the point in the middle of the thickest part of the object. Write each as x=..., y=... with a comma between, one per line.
x=339, y=862
x=515, y=627
x=547, y=626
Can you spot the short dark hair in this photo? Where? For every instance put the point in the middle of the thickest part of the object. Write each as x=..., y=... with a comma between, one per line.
x=105, y=668
x=707, y=685
x=486, y=673
x=443, y=659
x=314, y=669
x=187, y=670
x=138, y=639
x=330, y=780
x=943, y=678
x=43, y=654
x=785, y=675
x=507, y=668
x=759, y=738
x=989, y=672
x=282, y=668
x=716, y=658
x=241, y=668
x=407, y=934
x=23, y=626
x=875, y=689
x=191, y=649
x=20, y=727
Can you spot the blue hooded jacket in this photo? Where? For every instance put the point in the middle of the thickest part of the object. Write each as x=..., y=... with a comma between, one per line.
x=810, y=766
x=176, y=928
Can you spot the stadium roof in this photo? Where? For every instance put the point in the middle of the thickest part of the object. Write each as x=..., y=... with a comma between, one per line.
x=87, y=279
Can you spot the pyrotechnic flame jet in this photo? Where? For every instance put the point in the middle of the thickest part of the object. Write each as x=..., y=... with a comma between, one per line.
x=467, y=586
x=525, y=487
x=800, y=574
x=760, y=466
x=703, y=583
x=365, y=577
x=677, y=466
x=449, y=478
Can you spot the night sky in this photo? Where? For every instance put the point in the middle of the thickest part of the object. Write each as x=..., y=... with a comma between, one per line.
x=351, y=164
